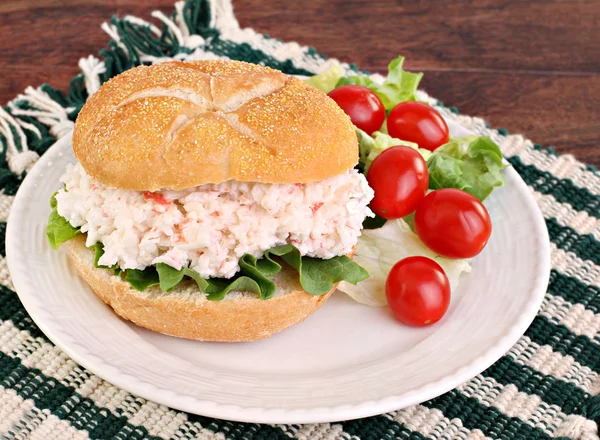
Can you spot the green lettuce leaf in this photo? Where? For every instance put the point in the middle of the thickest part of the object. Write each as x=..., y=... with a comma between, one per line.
x=142, y=279
x=399, y=86
x=259, y=270
x=472, y=164
x=371, y=146
x=326, y=81
x=169, y=277
x=98, y=249
x=316, y=276
x=218, y=288
x=59, y=229
x=215, y=288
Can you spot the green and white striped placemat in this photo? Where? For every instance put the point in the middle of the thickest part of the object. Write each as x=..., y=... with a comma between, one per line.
x=545, y=387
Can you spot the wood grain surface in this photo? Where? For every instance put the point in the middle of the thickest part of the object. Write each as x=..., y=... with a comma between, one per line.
x=530, y=66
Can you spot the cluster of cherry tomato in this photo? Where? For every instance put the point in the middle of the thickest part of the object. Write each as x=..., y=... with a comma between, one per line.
x=451, y=222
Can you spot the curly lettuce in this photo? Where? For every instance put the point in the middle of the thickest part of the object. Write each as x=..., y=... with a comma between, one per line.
x=472, y=164
x=327, y=80
x=371, y=146
x=59, y=229
x=398, y=86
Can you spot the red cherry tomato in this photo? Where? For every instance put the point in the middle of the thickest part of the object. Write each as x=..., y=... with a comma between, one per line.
x=418, y=123
x=453, y=223
x=400, y=179
x=364, y=107
x=418, y=291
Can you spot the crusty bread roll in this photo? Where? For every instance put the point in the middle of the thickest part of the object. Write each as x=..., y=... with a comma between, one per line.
x=186, y=313
x=182, y=124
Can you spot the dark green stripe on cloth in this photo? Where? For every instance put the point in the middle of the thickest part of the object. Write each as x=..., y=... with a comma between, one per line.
x=2, y=239
x=563, y=190
x=544, y=332
x=9, y=182
x=65, y=403
x=585, y=247
x=12, y=309
x=569, y=397
x=488, y=419
x=379, y=428
x=245, y=52
x=240, y=431
x=574, y=291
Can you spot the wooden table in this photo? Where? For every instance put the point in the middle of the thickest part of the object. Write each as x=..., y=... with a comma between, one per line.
x=532, y=67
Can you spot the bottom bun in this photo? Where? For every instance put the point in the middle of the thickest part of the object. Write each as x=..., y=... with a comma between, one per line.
x=186, y=313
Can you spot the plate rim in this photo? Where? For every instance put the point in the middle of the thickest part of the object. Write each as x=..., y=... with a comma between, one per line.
x=217, y=410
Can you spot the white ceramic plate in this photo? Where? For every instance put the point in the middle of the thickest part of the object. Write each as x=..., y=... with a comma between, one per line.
x=345, y=361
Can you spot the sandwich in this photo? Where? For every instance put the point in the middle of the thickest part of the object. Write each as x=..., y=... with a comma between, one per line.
x=212, y=200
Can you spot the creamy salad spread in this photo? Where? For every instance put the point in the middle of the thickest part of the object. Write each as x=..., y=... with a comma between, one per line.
x=208, y=228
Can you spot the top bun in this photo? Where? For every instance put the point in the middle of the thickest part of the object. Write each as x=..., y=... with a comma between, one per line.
x=178, y=125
